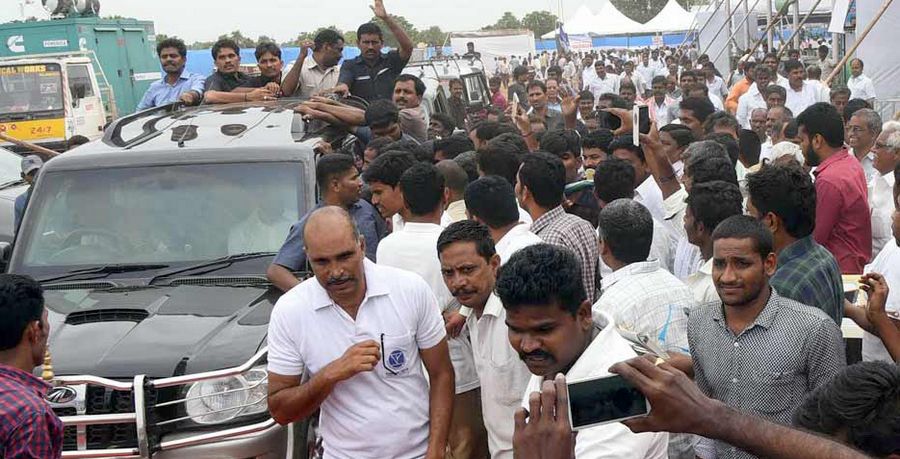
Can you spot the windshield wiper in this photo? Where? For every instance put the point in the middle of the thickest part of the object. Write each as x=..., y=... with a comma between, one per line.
x=214, y=264
x=11, y=184
x=103, y=271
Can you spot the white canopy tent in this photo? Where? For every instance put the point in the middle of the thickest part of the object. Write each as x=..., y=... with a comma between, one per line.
x=493, y=44
x=672, y=18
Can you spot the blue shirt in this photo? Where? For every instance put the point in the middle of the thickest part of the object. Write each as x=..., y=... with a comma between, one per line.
x=19, y=207
x=162, y=93
x=370, y=223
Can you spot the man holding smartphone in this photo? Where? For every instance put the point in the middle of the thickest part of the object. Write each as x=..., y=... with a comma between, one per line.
x=552, y=328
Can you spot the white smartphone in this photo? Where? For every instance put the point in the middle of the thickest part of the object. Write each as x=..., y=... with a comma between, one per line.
x=603, y=400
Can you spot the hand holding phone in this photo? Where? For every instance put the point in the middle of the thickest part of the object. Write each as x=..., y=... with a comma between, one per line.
x=603, y=400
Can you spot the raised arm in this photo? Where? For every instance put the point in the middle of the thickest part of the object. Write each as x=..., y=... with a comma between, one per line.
x=292, y=79
x=406, y=44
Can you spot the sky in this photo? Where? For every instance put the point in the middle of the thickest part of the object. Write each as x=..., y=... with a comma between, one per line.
x=205, y=20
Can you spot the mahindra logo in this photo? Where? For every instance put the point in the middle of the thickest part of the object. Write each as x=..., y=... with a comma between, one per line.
x=61, y=395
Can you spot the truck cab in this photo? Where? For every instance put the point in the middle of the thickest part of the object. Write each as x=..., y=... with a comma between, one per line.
x=49, y=99
x=152, y=246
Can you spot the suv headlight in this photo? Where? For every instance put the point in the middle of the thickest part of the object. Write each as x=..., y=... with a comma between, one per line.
x=221, y=400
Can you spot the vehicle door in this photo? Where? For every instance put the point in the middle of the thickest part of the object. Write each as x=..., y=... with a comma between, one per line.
x=86, y=107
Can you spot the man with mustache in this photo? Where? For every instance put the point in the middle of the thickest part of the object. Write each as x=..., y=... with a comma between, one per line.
x=371, y=75
x=178, y=84
x=365, y=335
x=551, y=328
x=408, y=92
x=221, y=85
x=469, y=266
x=753, y=349
x=412, y=248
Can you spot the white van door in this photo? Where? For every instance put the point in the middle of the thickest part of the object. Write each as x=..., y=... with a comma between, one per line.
x=88, y=117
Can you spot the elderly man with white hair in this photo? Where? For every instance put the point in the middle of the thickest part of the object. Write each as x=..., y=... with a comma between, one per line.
x=881, y=197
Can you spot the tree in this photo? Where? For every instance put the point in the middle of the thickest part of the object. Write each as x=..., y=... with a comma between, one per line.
x=641, y=10
x=350, y=38
x=265, y=39
x=389, y=38
x=507, y=21
x=309, y=36
x=539, y=22
x=432, y=36
x=239, y=38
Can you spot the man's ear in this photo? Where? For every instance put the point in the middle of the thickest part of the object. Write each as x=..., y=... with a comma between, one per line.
x=584, y=316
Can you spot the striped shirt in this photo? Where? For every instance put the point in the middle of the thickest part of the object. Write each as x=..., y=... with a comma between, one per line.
x=807, y=273
x=28, y=427
x=558, y=228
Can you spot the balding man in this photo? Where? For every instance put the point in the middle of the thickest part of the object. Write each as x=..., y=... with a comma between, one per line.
x=362, y=332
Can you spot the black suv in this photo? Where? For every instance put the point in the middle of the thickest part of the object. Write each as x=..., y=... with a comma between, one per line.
x=152, y=245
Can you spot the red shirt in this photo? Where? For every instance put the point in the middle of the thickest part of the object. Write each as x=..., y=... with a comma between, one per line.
x=28, y=427
x=843, y=223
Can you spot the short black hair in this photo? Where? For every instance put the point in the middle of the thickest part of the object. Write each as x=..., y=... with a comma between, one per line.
x=701, y=107
x=721, y=119
x=586, y=95
x=788, y=192
x=727, y=141
x=379, y=145
x=453, y=145
x=417, y=83
x=468, y=231
x=600, y=138
x=330, y=166
x=658, y=79
x=419, y=151
x=519, y=71
x=626, y=227
x=777, y=89
x=500, y=158
x=455, y=177
x=712, y=202
x=327, y=36
x=554, y=69
x=492, y=200
x=267, y=47
x=614, y=179
x=369, y=28
x=172, y=42
x=681, y=134
x=863, y=401
x=823, y=119
x=423, y=188
x=389, y=167
x=536, y=84
x=225, y=43
x=708, y=161
x=792, y=64
x=750, y=146
x=624, y=142
x=545, y=177
x=381, y=113
x=21, y=302
x=444, y=120
x=561, y=141
x=487, y=130
x=741, y=226
x=853, y=106
x=839, y=91
x=541, y=275
x=469, y=162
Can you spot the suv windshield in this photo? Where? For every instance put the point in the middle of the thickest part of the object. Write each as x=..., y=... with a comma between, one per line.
x=160, y=215
x=30, y=88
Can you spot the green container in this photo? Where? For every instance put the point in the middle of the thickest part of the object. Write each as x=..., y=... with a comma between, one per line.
x=125, y=50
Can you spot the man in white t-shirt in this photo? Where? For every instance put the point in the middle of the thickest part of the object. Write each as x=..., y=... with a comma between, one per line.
x=361, y=332
x=799, y=92
x=861, y=86
x=413, y=249
x=603, y=83
x=469, y=264
x=553, y=330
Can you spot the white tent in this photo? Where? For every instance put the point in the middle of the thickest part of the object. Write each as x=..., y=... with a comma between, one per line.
x=672, y=18
x=607, y=21
x=493, y=44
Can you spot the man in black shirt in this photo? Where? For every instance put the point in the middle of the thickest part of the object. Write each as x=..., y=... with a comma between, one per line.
x=228, y=77
x=268, y=59
x=371, y=75
x=520, y=75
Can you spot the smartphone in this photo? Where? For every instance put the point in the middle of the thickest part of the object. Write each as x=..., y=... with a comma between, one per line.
x=603, y=400
x=640, y=120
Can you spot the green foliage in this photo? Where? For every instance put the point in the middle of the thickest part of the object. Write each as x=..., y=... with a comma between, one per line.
x=539, y=22
x=507, y=21
x=389, y=38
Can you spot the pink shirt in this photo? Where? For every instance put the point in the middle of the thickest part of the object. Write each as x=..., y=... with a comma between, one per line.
x=498, y=100
x=843, y=225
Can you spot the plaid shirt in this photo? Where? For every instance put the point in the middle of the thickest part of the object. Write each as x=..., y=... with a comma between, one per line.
x=807, y=273
x=556, y=227
x=28, y=427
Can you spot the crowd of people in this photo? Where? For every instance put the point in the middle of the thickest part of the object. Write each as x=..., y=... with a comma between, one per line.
x=465, y=264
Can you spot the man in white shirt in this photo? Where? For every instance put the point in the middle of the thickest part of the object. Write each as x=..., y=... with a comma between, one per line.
x=552, y=329
x=491, y=200
x=637, y=79
x=646, y=190
x=714, y=82
x=862, y=130
x=413, y=249
x=800, y=93
x=861, y=86
x=646, y=69
x=708, y=204
x=603, y=83
x=469, y=265
x=754, y=97
x=587, y=71
x=361, y=333
x=881, y=187
x=312, y=76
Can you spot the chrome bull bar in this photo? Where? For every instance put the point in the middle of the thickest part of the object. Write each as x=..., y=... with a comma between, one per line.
x=139, y=387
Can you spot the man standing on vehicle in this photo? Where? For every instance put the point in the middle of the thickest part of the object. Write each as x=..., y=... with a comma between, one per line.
x=371, y=75
x=31, y=165
x=28, y=426
x=362, y=333
x=178, y=84
x=310, y=77
x=339, y=185
x=220, y=85
x=268, y=59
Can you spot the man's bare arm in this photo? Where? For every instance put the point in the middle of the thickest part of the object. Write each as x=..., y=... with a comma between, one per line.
x=442, y=380
x=281, y=277
x=222, y=97
x=406, y=44
x=292, y=79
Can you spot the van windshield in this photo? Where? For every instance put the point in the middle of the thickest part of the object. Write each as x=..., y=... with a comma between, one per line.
x=160, y=214
x=30, y=88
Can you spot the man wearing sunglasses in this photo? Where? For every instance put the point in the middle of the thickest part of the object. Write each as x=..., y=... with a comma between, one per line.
x=362, y=333
x=318, y=73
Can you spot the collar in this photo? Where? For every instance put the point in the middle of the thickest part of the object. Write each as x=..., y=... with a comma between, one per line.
x=599, y=348
x=413, y=227
x=515, y=231
x=493, y=307
x=376, y=285
x=25, y=378
x=544, y=220
x=841, y=155
x=185, y=75
x=764, y=319
x=706, y=267
x=643, y=189
x=456, y=206
x=888, y=178
x=641, y=267
x=796, y=249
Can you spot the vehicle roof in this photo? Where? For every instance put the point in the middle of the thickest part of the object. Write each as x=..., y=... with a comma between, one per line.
x=252, y=131
x=38, y=59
